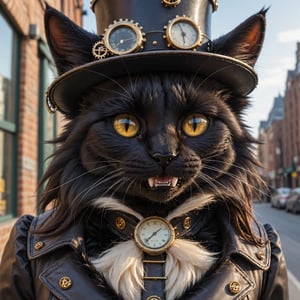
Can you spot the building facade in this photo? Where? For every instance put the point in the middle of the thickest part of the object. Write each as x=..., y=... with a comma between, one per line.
x=270, y=150
x=280, y=151
x=26, y=69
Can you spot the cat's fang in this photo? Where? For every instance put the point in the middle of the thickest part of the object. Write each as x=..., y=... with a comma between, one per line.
x=162, y=181
x=174, y=181
x=151, y=182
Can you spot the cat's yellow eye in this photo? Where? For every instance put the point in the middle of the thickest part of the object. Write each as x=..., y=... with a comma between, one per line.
x=194, y=125
x=126, y=125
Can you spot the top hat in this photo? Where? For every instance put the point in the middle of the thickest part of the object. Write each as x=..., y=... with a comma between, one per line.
x=137, y=36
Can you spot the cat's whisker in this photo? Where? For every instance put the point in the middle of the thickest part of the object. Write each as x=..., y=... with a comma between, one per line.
x=76, y=178
x=247, y=171
x=118, y=183
x=110, y=79
x=209, y=181
x=208, y=159
x=106, y=178
x=235, y=177
x=128, y=186
x=113, y=92
x=212, y=75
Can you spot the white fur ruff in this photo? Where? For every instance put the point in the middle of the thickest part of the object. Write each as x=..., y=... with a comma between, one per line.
x=186, y=261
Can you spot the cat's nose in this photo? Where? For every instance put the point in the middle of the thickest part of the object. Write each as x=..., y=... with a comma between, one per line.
x=163, y=159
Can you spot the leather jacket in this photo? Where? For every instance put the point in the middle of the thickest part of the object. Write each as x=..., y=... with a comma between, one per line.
x=32, y=268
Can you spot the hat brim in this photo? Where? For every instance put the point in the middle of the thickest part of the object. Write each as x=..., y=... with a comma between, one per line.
x=66, y=90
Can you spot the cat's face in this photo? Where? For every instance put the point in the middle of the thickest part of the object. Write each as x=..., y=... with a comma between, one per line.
x=158, y=137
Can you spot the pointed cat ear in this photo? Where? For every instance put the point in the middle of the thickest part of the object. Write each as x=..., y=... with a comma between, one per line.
x=70, y=45
x=245, y=41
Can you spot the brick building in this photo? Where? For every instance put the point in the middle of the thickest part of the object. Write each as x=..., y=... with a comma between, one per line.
x=291, y=126
x=26, y=69
x=280, y=153
x=270, y=151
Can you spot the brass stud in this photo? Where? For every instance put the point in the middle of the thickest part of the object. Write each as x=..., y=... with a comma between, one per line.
x=170, y=3
x=154, y=43
x=120, y=223
x=65, y=282
x=153, y=297
x=39, y=245
x=260, y=255
x=187, y=223
x=234, y=287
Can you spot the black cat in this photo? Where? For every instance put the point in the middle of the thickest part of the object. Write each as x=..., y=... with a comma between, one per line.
x=170, y=145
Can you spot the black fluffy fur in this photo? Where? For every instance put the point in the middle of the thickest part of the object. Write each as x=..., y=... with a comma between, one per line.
x=93, y=160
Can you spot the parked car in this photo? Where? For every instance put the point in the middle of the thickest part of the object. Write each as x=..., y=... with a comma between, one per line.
x=293, y=201
x=278, y=198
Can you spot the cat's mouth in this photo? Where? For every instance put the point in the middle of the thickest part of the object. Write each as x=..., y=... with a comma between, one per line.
x=162, y=181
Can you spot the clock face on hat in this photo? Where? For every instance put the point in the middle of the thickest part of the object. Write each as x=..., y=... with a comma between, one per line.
x=183, y=33
x=123, y=37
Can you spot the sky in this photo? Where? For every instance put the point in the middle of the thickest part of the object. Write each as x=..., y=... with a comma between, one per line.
x=277, y=56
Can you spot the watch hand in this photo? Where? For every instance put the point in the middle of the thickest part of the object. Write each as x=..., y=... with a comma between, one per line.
x=152, y=235
x=183, y=34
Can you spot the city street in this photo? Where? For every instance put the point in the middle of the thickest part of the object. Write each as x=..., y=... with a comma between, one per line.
x=288, y=226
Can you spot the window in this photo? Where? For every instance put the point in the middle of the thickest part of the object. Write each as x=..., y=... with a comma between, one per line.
x=47, y=121
x=9, y=44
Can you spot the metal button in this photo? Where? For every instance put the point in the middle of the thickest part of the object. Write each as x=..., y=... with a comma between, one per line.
x=153, y=297
x=120, y=223
x=234, y=287
x=260, y=255
x=187, y=223
x=39, y=245
x=65, y=282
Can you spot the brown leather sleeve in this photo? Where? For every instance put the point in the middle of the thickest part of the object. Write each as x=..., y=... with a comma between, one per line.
x=15, y=270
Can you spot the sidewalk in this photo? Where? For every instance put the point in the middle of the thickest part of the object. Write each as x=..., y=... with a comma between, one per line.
x=294, y=287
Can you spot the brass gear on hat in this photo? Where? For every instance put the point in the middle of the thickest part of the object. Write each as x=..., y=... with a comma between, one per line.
x=170, y=3
x=99, y=51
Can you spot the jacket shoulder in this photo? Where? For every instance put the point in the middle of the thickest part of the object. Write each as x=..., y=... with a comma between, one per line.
x=275, y=280
x=15, y=267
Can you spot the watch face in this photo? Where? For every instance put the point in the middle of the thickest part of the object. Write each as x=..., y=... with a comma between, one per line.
x=183, y=33
x=154, y=235
x=123, y=37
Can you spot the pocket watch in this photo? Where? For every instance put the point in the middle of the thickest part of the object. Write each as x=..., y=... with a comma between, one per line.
x=123, y=37
x=154, y=235
x=183, y=33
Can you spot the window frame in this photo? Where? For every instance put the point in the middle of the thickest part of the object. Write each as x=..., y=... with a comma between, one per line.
x=12, y=127
x=45, y=60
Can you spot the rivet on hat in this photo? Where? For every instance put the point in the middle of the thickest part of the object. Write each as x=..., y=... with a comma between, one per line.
x=65, y=282
x=234, y=287
x=120, y=223
x=39, y=245
x=260, y=255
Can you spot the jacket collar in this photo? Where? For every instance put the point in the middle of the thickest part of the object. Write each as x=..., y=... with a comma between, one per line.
x=40, y=245
x=260, y=256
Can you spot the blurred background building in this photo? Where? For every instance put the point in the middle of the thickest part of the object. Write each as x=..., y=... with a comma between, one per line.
x=280, y=134
x=26, y=69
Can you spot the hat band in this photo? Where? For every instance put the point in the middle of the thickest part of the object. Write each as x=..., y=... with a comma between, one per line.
x=124, y=37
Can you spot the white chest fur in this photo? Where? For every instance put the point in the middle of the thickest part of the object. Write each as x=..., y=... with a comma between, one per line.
x=122, y=265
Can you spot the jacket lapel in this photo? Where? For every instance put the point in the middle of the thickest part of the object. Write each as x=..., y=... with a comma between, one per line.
x=68, y=280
